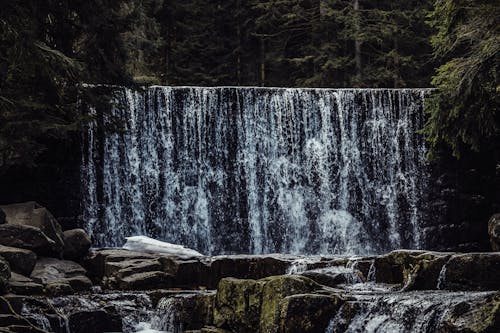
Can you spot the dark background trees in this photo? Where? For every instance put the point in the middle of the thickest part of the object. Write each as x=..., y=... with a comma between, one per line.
x=48, y=48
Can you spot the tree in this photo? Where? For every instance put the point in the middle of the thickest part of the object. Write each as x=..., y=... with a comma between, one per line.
x=463, y=113
x=47, y=49
x=34, y=81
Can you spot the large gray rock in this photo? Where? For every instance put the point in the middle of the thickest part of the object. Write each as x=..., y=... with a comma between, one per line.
x=129, y=270
x=27, y=237
x=472, y=271
x=21, y=261
x=307, y=313
x=246, y=267
x=51, y=271
x=99, y=262
x=76, y=244
x=99, y=320
x=411, y=269
x=32, y=214
x=334, y=276
x=145, y=281
x=249, y=306
x=22, y=285
x=494, y=232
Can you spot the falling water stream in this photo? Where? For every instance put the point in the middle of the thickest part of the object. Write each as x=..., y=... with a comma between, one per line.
x=258, y=170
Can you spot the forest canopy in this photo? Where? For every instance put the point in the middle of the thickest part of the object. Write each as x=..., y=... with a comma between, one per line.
x=48, y=48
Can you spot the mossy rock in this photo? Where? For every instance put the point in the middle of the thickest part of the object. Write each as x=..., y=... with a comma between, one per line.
x=254, y=305
x=473, y=271
x=474, y=318
x=275, y=289
x=307, y=313
x=415, y=270
x=238, y=304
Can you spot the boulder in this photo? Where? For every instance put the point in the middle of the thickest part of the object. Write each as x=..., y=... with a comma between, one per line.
x=76, y=244
x=98, y=320
x=21, y=261
x=4, y=275
x=22, y=285
x=27, y=237
x=57, y=289
x=472, y=271
x=32, y=214
x=50, y=271
x=478, y=318
x=189, y=311
x=494, y=232
x=307, y=313
x=188, y=274
x=238, y=305
x=145, y=281
x=334, y=276
x=246, y=267
x=254, y=305
x=98, y=262
x=413, y=270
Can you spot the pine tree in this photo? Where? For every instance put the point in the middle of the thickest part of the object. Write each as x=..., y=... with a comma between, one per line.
x=464, y=111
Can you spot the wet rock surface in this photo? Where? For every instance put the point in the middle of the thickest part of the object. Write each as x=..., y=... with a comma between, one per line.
x=60, y=276
x=403, y=291
x=76, y=244
x=27, y=237
x=20, y=260
x=119, y=290
x=494, y=232
x=32, y=214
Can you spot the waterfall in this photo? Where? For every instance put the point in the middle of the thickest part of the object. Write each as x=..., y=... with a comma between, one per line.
x=257, y=170
x=413, y=312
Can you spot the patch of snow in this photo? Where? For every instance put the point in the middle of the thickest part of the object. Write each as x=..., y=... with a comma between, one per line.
x=150, y=245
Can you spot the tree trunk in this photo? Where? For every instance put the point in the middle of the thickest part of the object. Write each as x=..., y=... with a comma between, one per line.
x=357, y=42
x=238, y=53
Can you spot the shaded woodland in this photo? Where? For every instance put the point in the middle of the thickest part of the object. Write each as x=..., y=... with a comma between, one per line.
x=47, y=49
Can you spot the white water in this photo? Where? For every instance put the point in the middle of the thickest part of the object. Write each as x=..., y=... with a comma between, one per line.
x=412, y=312
x=258, y=170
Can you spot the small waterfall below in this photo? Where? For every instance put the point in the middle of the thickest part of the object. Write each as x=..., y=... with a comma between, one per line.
x=165, y=318
x=257, y=170
x=413, y=312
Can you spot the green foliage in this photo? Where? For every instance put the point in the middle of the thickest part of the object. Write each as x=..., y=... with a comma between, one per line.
x=464, y=113
x=46, y=50
x=34, y=82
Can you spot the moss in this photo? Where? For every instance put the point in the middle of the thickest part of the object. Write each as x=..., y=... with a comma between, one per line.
x=307, y=312
x=415, y=270
x=478, y=318
x=276, y=288
x=238, y=304
x=254, y=305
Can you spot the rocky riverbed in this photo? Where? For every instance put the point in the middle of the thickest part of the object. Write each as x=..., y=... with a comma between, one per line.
x=53, y=281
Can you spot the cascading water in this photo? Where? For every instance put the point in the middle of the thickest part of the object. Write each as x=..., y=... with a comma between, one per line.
x=413, y=312
x=258, y=170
